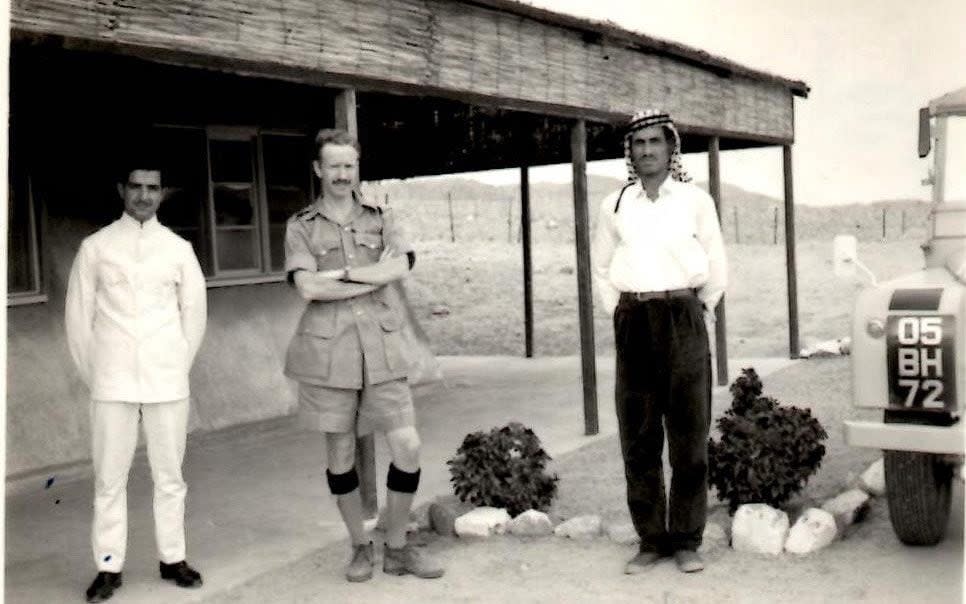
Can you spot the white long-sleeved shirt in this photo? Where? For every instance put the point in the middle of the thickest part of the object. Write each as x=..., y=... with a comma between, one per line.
x=672, y=242
x=135, y=312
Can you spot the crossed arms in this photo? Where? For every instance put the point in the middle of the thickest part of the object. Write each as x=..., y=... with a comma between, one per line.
x=360, y=280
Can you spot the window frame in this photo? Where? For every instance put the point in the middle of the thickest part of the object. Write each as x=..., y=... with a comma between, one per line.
x=249, y=135
x=37, y=294
x=262, y=227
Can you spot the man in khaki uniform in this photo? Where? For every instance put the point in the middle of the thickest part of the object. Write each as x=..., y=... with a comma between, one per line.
x=347, y=354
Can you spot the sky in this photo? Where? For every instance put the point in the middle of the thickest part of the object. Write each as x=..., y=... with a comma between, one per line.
x=870, y=65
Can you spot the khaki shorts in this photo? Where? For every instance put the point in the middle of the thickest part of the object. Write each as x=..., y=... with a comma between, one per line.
x=383, y=407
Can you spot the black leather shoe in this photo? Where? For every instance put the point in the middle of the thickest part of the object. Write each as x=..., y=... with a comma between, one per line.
x=103, y=586
x=181, y=573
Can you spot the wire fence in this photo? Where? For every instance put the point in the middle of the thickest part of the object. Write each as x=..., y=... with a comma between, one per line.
x=457, y=219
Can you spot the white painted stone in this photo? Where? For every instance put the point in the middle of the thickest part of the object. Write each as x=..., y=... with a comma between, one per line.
x=847, y=506
x=482, y=522
x=581, y=527
x=714, y=538
x=873, y=479
x=759, y=528
x=813, y=530
x=531, y=523
x=622, y=533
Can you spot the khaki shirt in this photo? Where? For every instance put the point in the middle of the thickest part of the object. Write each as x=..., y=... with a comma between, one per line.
x=135, y=312
x=346, y=343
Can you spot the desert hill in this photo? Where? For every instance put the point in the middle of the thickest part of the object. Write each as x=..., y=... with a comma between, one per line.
x=484, y=211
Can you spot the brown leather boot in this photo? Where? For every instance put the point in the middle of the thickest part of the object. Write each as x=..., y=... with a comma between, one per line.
x=360, y=567
x=409, y=560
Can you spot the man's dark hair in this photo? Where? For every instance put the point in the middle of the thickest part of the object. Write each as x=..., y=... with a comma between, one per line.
x=139, y=154
x=335, y=136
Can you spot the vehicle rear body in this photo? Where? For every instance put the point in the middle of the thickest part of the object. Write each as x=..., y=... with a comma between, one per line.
x=909, y=353
x=909, y=357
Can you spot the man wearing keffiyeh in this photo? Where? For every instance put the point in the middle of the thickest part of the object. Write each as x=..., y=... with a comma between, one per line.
x=660, y=268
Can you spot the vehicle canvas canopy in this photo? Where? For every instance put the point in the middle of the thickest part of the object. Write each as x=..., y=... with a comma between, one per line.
x=952, y=103
x=942, y=132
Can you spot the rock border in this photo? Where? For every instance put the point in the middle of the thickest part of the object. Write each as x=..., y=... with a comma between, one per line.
x=756, y=527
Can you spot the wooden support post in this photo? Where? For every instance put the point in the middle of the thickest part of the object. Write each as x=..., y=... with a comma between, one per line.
x=366, y=468
x=345, y=118
x=720, y=328
x=883, y=224
x=345, y=112
x=578, y=154
x=793, y=347
x=527, y=262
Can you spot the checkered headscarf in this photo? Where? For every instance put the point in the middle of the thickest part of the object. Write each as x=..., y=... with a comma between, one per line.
x=654, y=117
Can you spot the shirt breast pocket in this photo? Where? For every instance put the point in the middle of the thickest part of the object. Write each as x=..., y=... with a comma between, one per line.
x=369, y=243
x=327, y=249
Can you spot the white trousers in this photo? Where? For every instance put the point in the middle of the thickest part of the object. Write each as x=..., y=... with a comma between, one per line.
x=114, y=427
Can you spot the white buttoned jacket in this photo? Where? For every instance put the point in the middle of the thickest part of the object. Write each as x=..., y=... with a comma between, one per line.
x=135, y=312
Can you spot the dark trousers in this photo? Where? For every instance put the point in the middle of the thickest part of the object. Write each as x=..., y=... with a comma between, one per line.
x=664, y=373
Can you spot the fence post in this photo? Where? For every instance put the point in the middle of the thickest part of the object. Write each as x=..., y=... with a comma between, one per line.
x=737, y=229
x=509, y=220
x=452, y=230
x=883, y=224
x=774, y=226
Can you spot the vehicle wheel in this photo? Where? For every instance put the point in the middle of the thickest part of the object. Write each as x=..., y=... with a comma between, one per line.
x=919, y=489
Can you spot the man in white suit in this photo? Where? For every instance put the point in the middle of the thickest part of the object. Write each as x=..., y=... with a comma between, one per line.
x=135, y=318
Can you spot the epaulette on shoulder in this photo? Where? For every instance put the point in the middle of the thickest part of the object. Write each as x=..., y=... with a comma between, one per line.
x=376, y=206
x=304, y=213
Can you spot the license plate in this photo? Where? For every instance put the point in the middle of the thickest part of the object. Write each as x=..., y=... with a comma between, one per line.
x=921, y=362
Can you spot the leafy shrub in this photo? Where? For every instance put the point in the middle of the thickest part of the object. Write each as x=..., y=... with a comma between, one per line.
x=767, y=451
x=503, y=468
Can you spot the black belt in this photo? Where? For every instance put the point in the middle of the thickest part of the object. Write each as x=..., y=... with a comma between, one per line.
x=686, y=292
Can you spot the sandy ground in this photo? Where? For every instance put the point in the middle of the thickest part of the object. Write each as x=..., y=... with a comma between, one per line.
x=869, y=565
x=486, y=303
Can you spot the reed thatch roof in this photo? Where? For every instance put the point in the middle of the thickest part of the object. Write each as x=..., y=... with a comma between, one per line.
x=474, y=84
x=646, y=43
